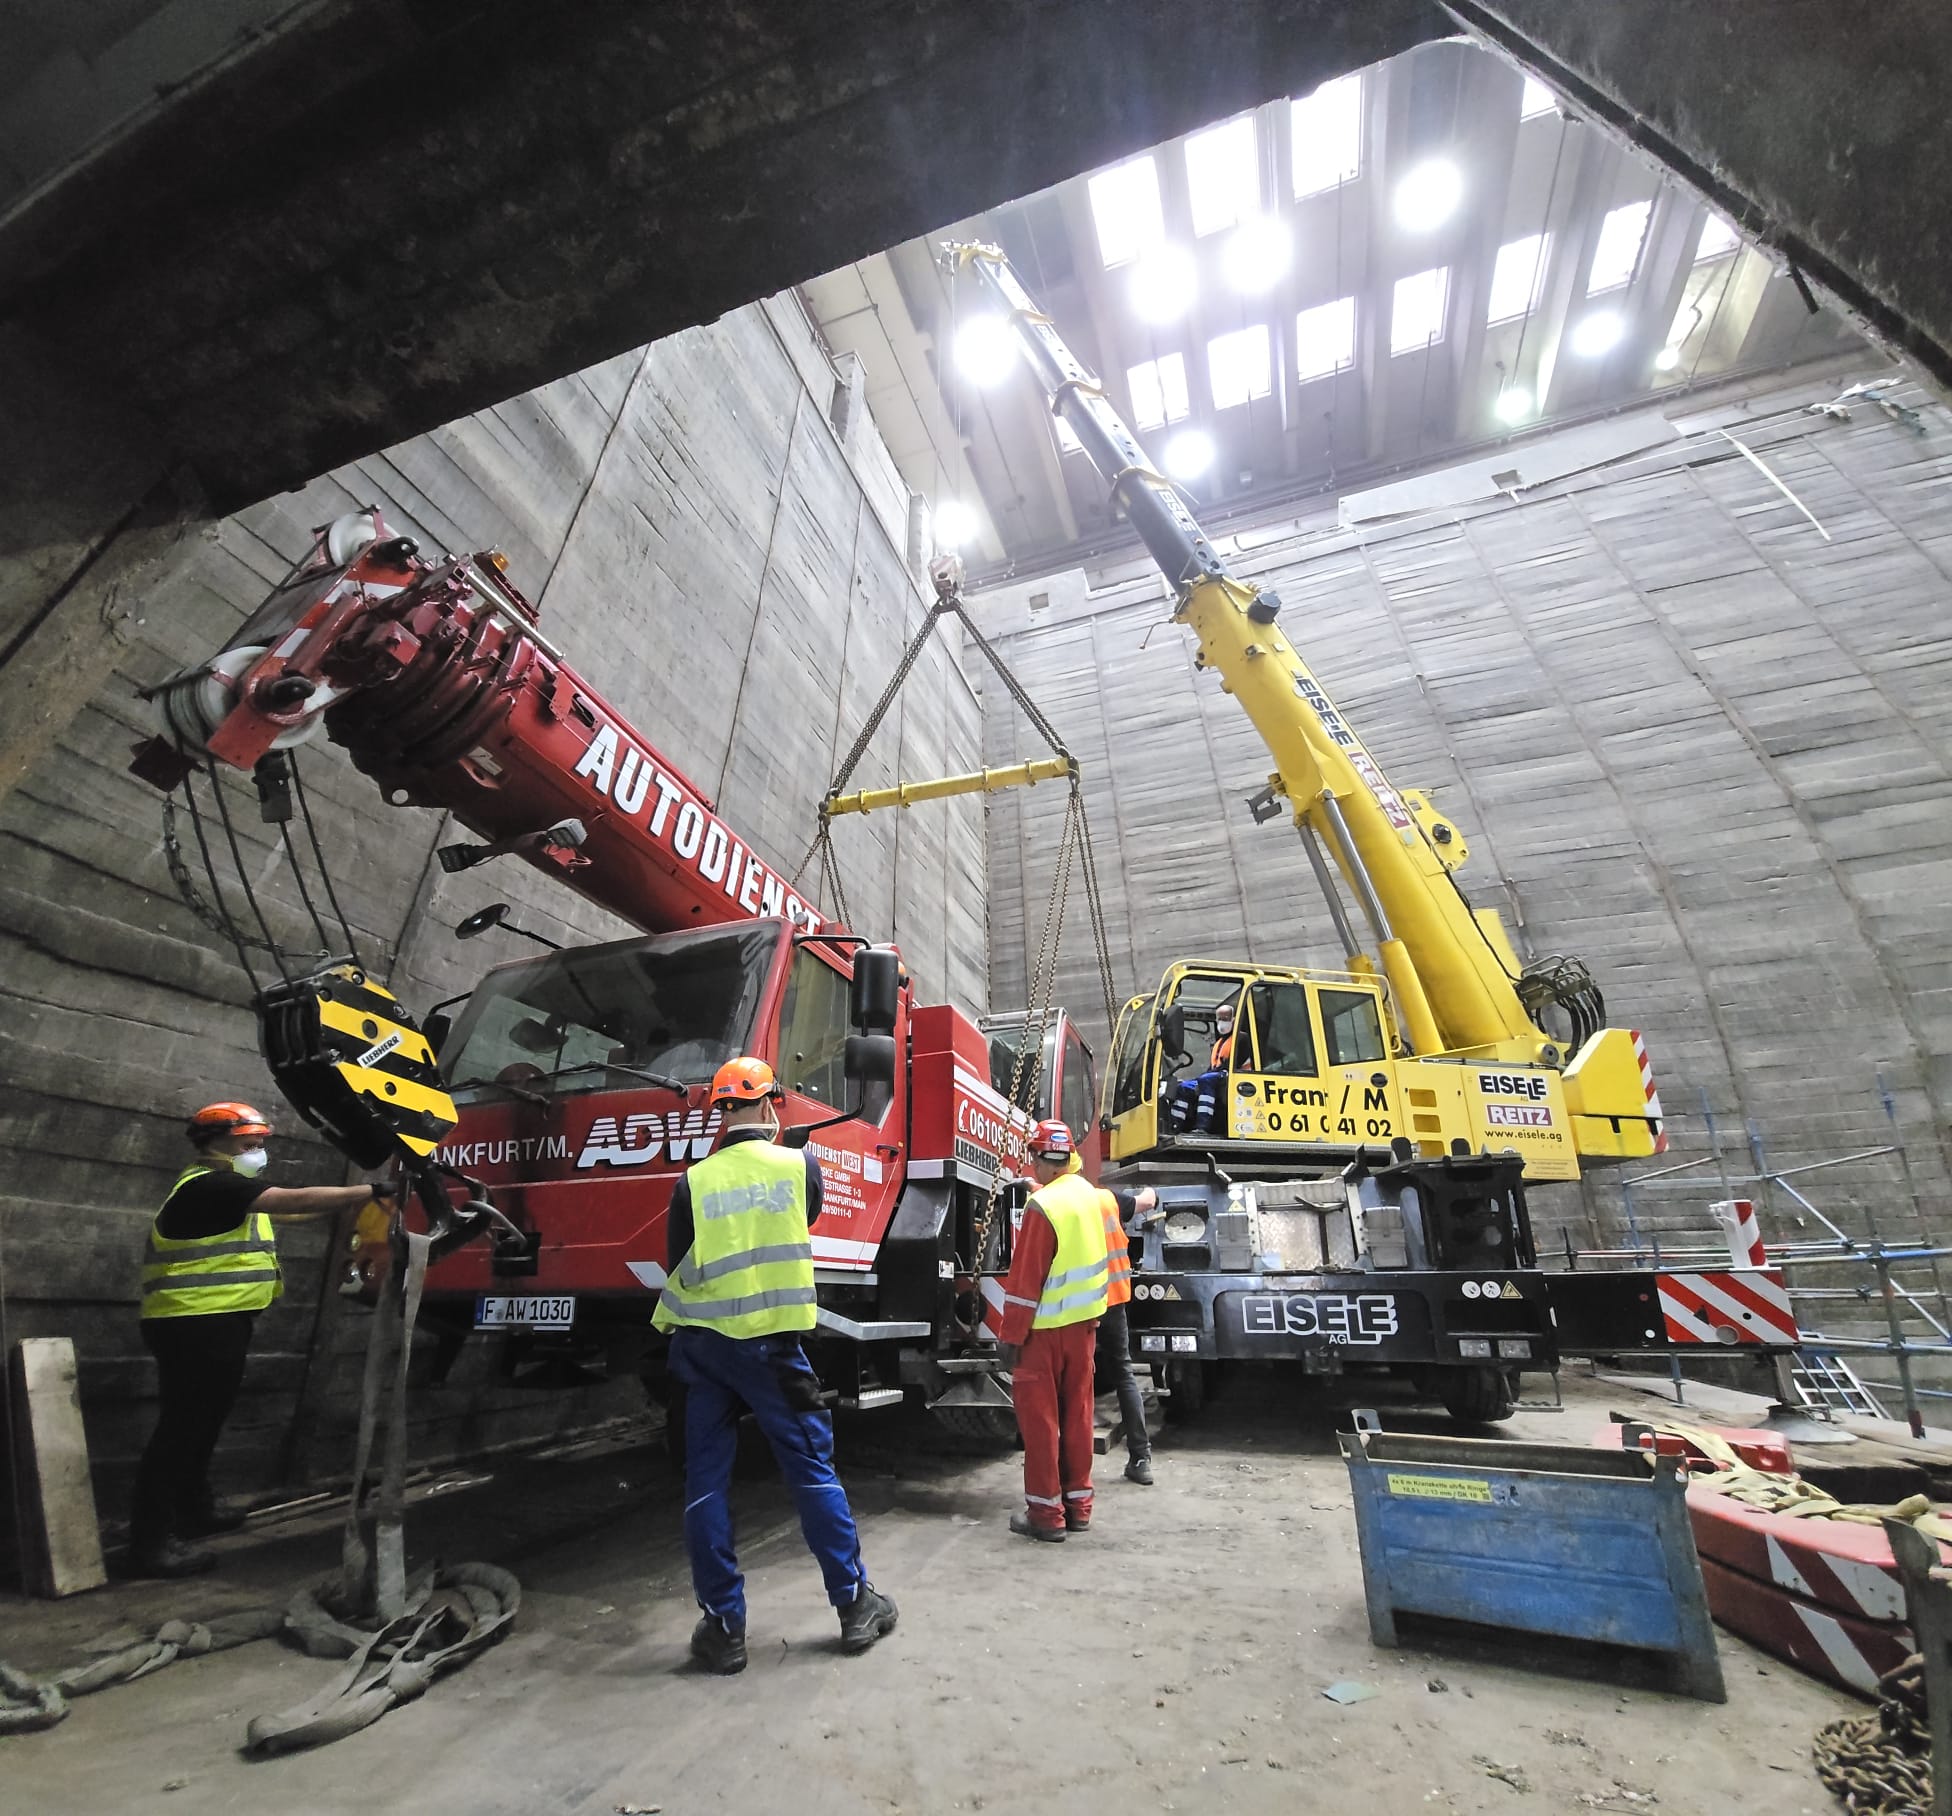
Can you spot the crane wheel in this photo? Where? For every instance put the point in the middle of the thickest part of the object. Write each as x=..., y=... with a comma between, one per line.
x=972, y=1430
x=1186, y=1389
x=1476, y=1396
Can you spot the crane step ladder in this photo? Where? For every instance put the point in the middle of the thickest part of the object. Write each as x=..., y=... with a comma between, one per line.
x=1825, y=1381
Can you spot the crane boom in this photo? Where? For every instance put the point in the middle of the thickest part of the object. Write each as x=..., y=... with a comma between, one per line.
x=1451, y=969
x=437, y=679
x=1457, y=989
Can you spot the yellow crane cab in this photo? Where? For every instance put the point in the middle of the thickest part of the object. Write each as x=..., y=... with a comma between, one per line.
x=1313, y=1072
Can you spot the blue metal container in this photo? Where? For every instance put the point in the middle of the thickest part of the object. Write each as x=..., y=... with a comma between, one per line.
x=1542, y=1538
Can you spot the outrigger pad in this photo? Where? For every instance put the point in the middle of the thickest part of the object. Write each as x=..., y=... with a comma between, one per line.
x=354, y=1064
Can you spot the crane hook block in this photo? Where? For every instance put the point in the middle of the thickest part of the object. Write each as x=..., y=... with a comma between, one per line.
x=353, y=1063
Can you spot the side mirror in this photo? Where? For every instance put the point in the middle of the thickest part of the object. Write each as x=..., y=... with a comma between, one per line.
x=1172, y=1031
x=481, y=920
x=869, y=1060
x=797, y=1136
x=876, y=989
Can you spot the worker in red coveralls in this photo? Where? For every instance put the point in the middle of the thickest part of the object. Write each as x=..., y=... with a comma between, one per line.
x=1052, y=1302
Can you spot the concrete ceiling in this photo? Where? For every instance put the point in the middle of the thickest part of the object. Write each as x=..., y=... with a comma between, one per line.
x=1527, y=167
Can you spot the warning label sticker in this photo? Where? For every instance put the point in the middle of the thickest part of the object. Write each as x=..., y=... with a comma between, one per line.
x=1440, y=1488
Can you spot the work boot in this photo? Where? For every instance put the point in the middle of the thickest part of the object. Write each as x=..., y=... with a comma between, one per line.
x=1076, y=1522
x=209, y=1520
x=1021, y=1526
x=1139, y=1470
x=170, y=1557
x=718, y=1647
x=866, y=1618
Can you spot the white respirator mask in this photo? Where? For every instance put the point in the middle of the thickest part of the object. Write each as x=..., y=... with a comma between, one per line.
x=250, y=1163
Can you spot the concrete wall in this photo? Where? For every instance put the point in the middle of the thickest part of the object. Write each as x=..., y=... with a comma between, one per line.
x=730, y=574
x=1688, y=737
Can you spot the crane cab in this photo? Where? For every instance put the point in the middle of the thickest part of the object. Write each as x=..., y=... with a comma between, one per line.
x=1310, y=1075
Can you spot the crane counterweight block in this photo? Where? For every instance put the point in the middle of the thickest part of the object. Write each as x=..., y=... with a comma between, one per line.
x=354, y=1064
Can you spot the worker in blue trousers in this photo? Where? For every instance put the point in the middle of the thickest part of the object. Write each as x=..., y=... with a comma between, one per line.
x=737, y=1297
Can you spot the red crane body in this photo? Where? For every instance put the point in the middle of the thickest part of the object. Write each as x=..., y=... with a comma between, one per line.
x=441, y=686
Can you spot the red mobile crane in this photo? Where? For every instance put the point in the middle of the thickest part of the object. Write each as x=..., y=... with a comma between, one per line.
x=575, y=1081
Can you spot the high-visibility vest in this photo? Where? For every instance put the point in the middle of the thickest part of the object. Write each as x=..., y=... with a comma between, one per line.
x=1118, y=1253
x=235, y=1272
x=749, y=1270
x=1118, y=1245
x=1074, y=1289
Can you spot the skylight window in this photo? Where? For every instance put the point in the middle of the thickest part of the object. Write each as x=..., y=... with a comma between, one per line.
x=1223, y=175
x=1416, y=317
x=1125, y=210
x=1158, y=390
x=1325, y=339
x=1240, y=366
x=1327, y=135
x=1517, y=279
x=1717, y=237
x=1537, y=99
x=1618, y=252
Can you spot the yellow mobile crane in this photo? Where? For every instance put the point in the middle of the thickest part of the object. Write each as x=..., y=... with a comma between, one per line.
x=1434, y=1053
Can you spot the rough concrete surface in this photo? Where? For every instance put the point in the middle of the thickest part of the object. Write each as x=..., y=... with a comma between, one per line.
x=722, y=564
x=1174, y=1658
x=1688, y=736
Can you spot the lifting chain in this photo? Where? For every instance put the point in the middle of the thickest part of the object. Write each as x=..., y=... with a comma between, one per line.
x=1074, y=846
x=1043, y=979
x=1881, y=1764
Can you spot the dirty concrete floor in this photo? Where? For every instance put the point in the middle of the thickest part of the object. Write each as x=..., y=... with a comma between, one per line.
x=1175, y=1658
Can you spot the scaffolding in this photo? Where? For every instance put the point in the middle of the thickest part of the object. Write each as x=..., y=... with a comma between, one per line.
x=1896, y=1283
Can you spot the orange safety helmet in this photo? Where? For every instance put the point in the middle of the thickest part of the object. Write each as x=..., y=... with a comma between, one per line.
x=744, y=1081
x=216, y=1121
x=1051, y=1140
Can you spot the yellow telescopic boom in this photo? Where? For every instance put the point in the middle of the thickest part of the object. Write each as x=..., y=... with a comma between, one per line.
x=1453, y=976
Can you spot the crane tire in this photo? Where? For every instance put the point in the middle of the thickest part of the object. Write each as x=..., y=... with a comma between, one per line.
x=1477, y=1396
x=973, y=1430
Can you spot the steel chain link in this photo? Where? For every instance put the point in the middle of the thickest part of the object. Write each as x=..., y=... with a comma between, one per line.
x=1881, y=1764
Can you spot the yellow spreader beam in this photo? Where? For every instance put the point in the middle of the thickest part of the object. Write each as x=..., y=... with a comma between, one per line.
x=980, y=781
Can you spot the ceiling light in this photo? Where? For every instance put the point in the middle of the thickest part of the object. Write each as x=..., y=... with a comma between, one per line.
x=1667, y=359
x=1428, y=196
x=1163, y=285
x=986, y=350
x=1598, y=333
x=955, y=524
x=1514, y=404
x=1258, y=254
x=1189, y=454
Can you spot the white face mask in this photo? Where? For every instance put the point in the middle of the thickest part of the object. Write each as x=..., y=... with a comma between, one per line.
x=250, y=1163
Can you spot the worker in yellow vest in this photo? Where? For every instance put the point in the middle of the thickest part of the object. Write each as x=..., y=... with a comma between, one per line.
x=1052, y=1301
x=737, y=1299
x=211, y=1267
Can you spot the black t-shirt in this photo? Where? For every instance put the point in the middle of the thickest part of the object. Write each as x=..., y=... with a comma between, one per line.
x=208, y=1205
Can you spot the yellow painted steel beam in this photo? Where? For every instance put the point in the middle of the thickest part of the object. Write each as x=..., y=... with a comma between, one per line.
x=981, y=781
